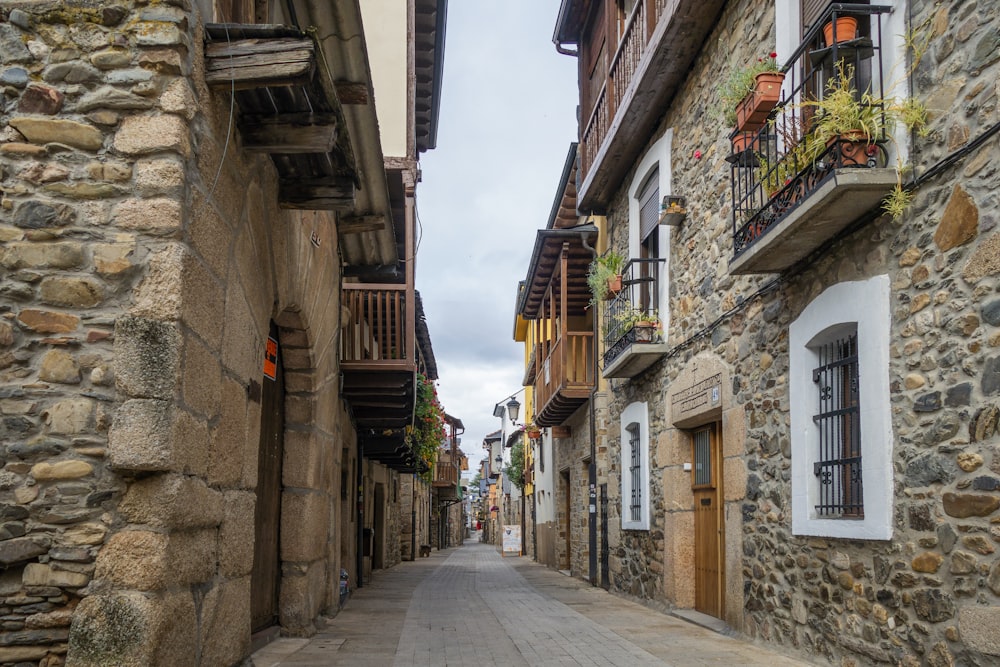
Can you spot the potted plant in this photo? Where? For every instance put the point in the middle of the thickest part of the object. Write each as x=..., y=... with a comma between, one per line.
x=843, y=29
x=855, y=124
x=647, y=327
x=672, y=211
x=749, y=93
x=604, y=277
x=645, y=324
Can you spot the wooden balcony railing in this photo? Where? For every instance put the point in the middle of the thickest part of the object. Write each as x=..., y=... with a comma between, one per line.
x=376, y=331
x=446, y=474
x=624, y=62
x=566, y=373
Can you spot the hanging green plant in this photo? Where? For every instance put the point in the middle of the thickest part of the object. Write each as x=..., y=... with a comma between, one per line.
x=603, y=269
x=428, y=431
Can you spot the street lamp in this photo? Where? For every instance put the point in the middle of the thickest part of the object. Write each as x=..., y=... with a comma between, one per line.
x=513, y=407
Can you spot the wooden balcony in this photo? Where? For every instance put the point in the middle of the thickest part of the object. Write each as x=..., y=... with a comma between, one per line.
x=445, y=479
x=565, y=377
x=554, y=302
x=657, y=44
x=379, y=366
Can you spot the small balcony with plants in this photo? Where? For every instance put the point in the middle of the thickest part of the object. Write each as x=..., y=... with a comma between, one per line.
x=815, y=147
x=631, y=325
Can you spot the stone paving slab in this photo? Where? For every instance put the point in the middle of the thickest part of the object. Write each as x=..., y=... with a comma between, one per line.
x=470, y=606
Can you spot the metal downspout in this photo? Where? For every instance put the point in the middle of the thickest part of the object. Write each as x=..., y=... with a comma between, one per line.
x=592, y=468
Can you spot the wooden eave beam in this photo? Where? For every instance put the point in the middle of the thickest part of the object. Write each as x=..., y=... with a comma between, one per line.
x=290, y=133
x=351, y=92
x=334, y=193
x=257, y=63
x=359, y=224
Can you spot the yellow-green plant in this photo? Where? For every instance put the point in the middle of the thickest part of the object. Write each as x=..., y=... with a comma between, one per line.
x=601, y=269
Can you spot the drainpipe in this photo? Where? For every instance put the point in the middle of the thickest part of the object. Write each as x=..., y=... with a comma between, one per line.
x=413, y=518
x=361, y=516
x=592, y=468
x=566, y=52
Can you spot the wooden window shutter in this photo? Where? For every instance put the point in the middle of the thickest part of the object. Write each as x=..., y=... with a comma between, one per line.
x=649, y=205
x=811, y=10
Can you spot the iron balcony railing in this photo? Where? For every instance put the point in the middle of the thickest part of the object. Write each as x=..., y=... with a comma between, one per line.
x=777, y=167
x=633, y=315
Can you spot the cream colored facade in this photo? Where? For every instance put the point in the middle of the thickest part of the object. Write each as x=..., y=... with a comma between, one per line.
x=386, y=26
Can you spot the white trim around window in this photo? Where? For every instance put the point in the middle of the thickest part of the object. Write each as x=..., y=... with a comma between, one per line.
x=635, y=439
x=656, y=158
x=864, y=305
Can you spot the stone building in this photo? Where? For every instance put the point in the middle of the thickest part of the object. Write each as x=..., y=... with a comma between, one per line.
x=185, y=194
x=802, y=440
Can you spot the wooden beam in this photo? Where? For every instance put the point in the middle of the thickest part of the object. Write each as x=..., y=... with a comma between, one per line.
x=257, y=63
x=327, y=194
x=351, y=92
x=289, y=133
x=358, y=224
x=561, y=431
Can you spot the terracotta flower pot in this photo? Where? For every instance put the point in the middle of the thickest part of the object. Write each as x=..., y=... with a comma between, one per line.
x=752, y=111
x=614, y=286
x=853, y=149
x=847, y=29
x=744, y=141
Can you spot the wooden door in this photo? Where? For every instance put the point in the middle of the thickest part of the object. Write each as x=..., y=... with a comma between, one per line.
x=709, y=533
x=267, y=515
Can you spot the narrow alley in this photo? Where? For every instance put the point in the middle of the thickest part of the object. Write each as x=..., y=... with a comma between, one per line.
x=470, y=606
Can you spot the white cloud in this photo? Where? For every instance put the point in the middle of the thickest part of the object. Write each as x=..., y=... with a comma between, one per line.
x=508, y=115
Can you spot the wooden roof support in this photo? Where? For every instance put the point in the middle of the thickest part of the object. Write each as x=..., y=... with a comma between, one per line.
x=290, y=133
x=358, y=224
x=336, y=193
x=256, y=63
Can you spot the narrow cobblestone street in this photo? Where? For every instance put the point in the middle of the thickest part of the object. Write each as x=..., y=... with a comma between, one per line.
x=469, y=606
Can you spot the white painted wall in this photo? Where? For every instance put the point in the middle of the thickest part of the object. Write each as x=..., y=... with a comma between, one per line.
x=385, y=34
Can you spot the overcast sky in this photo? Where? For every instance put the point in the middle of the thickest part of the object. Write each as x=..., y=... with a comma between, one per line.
x=508, y=116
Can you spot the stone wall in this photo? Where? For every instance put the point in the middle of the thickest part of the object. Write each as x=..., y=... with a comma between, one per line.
x=570, y=460
x=930, y=594
x=143, y=258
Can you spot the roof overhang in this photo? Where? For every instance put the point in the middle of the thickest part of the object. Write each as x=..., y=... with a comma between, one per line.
x=429, y=36
x=368, y=236
x=544, y=267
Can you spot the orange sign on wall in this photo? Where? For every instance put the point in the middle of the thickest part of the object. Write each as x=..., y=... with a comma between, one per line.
x=271, y=359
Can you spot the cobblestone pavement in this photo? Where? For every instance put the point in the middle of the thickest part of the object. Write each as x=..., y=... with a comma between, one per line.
x=469, y=606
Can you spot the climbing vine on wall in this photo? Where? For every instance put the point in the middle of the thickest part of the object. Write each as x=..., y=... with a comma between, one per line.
x=428, y=431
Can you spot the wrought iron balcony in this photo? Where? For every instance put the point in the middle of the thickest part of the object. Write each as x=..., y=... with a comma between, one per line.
x=633, y=330
x=795, y=185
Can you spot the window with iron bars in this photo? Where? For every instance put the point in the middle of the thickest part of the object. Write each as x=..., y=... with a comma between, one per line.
x=635, y=472
x=838, y=464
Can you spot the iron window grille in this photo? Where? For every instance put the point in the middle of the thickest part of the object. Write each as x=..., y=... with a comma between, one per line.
x=838, y=466
x=635, y=472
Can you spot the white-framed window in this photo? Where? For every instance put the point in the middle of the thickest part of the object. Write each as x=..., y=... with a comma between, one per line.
x=841, y=419
x=635, y=467
x=646, y=238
